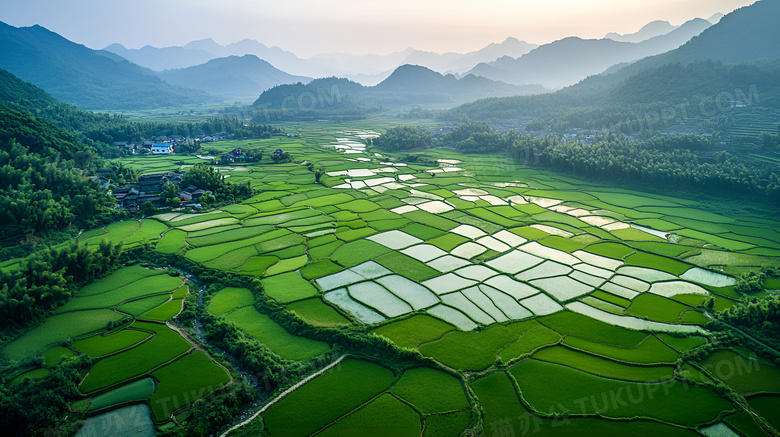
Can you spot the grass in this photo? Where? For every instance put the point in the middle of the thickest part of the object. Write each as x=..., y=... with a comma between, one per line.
x=102, y=345
x=185, y=381
x=501, y=406
x=432, y=391
x=228, y=299
x=144, y=287
x=602, y=366
x=682, y=344
x=165, y=346
x=164, y=312
x=57, y=328
x=385, y=416
x=32, y=375
x=414, y=331
x=644, y=259
x=568, y=323
x=317, y=313
x=53, y=356
x=742, y=374
x=287, y=265
x=447, y=242
x=432, y=220
x=319, y=269
x=266, y=331
x=473, y=350
x=134, y=391
x=767, y=407
x=745, y=424
x=407, y=266
x=545, y=385
x=229, y=235
x=326, y=398
x=653, y=307
x=423, y=232
x=140, y=306
x=534, y=338
x=650, y=351
x=288, y=287
x=447, y=425
x=354, y=253
x=119, y=278
x=150, y=230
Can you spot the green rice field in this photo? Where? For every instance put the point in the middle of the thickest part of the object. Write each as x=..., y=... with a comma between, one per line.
x=468, y=298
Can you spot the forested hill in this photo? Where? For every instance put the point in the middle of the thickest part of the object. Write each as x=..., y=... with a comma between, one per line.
x=99, y=129
x=408, y=85
x=42, y=188
x=84, y=77
x=748, y=36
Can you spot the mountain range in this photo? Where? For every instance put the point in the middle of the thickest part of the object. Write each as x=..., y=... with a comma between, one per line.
x=567, y=61
x=87, y=78
x=367, y=69
x=739, y=52
x=232, y=77
x=407, y=85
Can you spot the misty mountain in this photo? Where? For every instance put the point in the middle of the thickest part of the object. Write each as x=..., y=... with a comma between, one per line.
x=570, y=60
x=84, y=77
x=741, y=51
x=407, y=85
x=232, y=77
x=650, y=30
x=161, y=58
x=199, y=52
x=716, y=18
x=747, y=34
x=367, y=69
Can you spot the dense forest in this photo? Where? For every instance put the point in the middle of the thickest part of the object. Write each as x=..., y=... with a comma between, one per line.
x=703, y=93
x=402, y=138
x=49, y=277
x=101, y=130
x=43, y=184
x=690, y=161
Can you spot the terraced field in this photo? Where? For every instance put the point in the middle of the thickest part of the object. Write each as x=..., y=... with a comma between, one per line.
x=544, y=300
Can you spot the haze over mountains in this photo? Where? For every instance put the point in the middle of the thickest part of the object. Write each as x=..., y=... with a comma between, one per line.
x=739, y=52
x=206, y=72
x=567, y=61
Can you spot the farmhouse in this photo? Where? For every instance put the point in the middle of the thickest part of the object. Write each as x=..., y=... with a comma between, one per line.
x=162, y=148
x=235, y=155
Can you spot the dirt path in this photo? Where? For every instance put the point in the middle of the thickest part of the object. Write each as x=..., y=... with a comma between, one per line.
x=286, y=392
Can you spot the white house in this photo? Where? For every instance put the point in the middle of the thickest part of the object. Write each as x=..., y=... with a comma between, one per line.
x=162, y=148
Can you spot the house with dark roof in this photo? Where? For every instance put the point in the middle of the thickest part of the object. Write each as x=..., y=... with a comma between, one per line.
x=235, y=155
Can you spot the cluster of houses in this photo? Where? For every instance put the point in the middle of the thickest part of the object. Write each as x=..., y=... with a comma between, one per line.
x=148, y=187
x=168, y=146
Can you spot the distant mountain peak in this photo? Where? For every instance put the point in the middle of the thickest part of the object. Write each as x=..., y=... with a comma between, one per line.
x=716, y=18
x=649, y=30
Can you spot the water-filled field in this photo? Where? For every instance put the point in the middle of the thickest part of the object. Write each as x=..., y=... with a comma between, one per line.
x=543, y=300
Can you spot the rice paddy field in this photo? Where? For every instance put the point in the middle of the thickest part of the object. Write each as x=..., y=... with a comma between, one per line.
x=534, y=301
x=136, y=363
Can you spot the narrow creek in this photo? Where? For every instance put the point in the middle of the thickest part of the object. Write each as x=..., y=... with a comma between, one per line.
x=261, y=393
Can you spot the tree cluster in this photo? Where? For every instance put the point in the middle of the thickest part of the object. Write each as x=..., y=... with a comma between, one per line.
x=403, y=138
x=43, y=184
x=48, y=278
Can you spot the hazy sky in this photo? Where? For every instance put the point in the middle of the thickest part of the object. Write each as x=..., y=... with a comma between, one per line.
x=307, y=27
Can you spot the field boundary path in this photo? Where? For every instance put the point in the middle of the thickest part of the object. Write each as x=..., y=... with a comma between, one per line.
x=748, y=336
x=285, y=393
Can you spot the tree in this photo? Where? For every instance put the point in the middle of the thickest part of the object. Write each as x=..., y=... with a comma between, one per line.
x=147, y=208
x=404, y=138
x=170, y=192
x=203, y=176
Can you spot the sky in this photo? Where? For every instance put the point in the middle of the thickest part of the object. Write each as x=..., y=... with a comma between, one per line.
x=309, y=27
